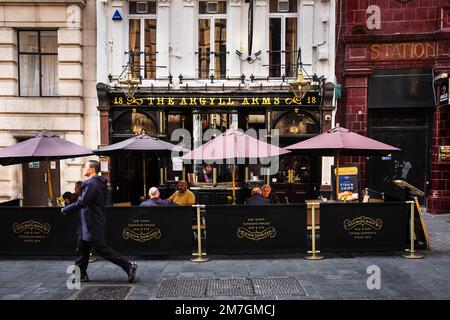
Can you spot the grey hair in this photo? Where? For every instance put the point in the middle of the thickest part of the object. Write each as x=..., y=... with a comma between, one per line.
x=153, y=192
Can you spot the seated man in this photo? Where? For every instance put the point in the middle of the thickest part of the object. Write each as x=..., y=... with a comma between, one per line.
x=257, y=197
x=155, y=200
x=205, y=174
x=184, y=196
x=267, y=193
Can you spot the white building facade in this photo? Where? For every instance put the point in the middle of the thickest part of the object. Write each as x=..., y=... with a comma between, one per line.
x=245, y=52
x=47, y=77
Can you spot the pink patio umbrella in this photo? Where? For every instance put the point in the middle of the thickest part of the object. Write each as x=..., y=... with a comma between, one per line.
x=42, y=147
x=234, y=144
x=341, y=141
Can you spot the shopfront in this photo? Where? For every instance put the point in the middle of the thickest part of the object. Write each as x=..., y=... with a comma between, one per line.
x=275, y=116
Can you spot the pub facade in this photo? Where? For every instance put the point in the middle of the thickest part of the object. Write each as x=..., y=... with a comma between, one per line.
x=392, y=63
x=198, y=65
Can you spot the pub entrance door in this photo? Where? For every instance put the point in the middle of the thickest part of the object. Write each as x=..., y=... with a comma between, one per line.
x=35, y=182
x=411, y=132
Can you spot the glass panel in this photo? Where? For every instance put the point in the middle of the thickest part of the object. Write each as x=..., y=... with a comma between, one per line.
x=29, y=75
x=275, y=47
x=49, y=78
x=135, y=45
x=150, y=48
x=28, y=41
x=221, y=7
x=134, y=123
x=220, y=48
x=257, y=121
x=49, y=42
x=295, y=124
x=273, y=7
x=204, y=47
x=174, y=121
x=291, y=46
x=151, y=8
x=301, y=166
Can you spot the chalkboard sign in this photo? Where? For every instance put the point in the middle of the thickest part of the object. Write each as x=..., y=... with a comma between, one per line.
x=349, y=183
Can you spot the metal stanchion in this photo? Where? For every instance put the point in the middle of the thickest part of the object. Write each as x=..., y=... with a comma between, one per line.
x=412, y=253
x=313, y=254
x=199, y=253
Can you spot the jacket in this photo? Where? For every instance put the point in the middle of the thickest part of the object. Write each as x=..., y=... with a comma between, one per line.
x=91, y=205
x=257, y=199
x=155, y=202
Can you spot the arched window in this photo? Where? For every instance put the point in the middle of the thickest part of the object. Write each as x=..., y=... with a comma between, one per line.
x=291, y=123
x=134, y=123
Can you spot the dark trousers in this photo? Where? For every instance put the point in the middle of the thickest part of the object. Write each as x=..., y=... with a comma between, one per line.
x=102, y=250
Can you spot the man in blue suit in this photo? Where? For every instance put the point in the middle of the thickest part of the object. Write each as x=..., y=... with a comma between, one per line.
x=257, y=197
x=155, y=200
x=91, y=233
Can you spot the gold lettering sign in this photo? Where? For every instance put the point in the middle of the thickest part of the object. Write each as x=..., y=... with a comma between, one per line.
x=141, y=230
x=256, y=229
x=363, y=228
x=403, y=51
x=141, y=237
x=309, y=99
x=256, y=235
x=31, y=231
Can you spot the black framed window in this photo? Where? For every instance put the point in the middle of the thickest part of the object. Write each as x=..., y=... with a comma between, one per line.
x=283, y=35
x=212, y=42
x=142, y=38
x=38, y=63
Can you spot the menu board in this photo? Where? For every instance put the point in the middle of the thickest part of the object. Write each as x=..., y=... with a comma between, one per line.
x=349, y=183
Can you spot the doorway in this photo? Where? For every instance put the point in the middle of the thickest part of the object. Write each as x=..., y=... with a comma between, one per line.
x=35, y=182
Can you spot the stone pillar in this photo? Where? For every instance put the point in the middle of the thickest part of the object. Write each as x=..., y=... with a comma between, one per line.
x=307, y=34
x=260, y=32
x=189, y=44
x=163, y=38
x=8, y=62
x=234, y=33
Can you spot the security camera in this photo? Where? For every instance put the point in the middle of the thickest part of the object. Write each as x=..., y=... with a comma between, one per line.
x=327, y=117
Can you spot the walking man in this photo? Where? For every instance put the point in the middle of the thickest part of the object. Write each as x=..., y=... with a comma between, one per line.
x=91, y=233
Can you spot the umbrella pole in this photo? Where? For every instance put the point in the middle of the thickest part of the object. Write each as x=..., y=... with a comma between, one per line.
x=145, y=174
x=49, y=183
x=337, y=175
x=234, y=185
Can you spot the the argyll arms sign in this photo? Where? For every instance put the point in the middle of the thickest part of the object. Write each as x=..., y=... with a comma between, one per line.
x=311, y=98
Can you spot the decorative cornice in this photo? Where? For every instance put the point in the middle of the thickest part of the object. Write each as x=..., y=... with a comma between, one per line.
x=81, y=3
x=188, y=3
x=163, y=3
x=235, y=3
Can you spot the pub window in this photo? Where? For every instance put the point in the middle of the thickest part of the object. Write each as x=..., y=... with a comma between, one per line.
x=292, y=124
x=212, y=39
x=142, y=38
x=283, y=35
x=134, y=123
x=38, y=63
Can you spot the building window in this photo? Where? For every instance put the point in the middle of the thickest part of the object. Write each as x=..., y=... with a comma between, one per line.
x=212, y=39
x=283, y=35
x=38, y=63
x=142, y=38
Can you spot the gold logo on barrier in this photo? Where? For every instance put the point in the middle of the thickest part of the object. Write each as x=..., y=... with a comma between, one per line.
x=256, y=235
x=31, y=231
x=363, y=221
x=363, y=228
x=141, y=237
x=256, y=229
x=31, y=225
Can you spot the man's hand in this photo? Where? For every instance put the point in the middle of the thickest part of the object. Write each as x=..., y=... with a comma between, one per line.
x=62, y=211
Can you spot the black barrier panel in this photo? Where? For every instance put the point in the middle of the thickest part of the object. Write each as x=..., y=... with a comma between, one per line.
x=363, y=226
x=245, y=229
x=37, y=231
x=150, y=230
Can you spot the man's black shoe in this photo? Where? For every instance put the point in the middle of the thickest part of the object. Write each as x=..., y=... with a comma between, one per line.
x=132, y=271
x=84, y=278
